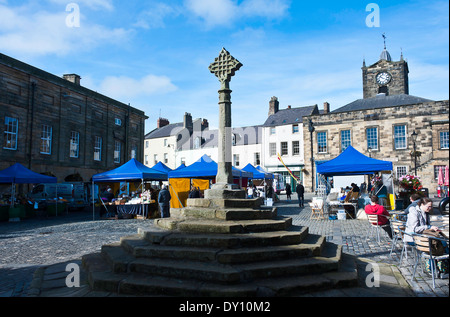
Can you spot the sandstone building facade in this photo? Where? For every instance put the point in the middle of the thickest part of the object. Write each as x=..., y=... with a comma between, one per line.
x=382, y=124
x=53, y=125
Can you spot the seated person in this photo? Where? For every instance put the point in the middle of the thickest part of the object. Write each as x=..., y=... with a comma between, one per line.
x=375, y=209
x=419, y=218
x=414, y=199
x=108, y=195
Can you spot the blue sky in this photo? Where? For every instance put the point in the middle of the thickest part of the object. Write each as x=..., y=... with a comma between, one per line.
x=155, y=54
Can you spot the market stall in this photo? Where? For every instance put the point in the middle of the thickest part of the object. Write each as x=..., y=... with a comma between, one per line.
x=352, y=162
x=132, y=171
x=18, y=174
x=200, y=174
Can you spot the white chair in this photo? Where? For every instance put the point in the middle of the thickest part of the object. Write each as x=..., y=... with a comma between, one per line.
x=373, y=220
x=317, y=209
x=423, y=247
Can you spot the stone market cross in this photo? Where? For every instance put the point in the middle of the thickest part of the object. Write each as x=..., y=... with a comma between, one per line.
x=224, y=68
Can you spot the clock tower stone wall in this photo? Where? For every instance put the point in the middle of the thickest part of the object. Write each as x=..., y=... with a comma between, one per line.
x=399, y=83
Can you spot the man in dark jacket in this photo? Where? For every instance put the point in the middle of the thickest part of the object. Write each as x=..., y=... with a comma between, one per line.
x=164, y=202
x=301, y=194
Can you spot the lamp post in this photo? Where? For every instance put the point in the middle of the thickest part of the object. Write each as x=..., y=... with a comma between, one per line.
x=414, y=138
x=311, y=130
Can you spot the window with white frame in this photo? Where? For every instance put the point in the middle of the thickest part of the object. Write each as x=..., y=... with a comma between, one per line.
x=273, y=130
x=257, y=159
x=346, y=139
x=400, y=137
x=236, y=159
x=98, y=148
x=46, y=139
x=322, y=142
x=295, y=147
x=401, y=171
x=74, y=144
x=11, y=130
x=372, y=138
x=284, y=149
x=117, y=152
x=295, y=128
x=155, y=159
x=443, y=140
x=436, y=170
x=166, y=158
x=272, y=149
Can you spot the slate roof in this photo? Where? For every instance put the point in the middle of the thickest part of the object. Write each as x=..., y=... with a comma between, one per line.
x=381, y=101
x=166, y=131
x=290, y=116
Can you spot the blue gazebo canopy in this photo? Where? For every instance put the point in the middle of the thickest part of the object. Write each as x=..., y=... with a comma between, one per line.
x=205, y=167
x=18, y=174
x=352, y=162
x=133, y=170
x=257, y=174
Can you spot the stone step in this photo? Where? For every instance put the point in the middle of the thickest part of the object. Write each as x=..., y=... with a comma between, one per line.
x=122, y=262
x=173, y=238
x=140, y=248
x=139, y=284
x=225, y=203
x=221, y=226
x=229, y=213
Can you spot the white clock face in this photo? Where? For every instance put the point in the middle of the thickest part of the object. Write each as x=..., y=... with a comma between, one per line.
x=383, y=78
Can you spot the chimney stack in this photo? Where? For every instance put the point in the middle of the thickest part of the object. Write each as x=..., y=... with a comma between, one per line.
x=326, y=108
x=162, y=122
x=187, y=122
x=73, y=78
x=274, y=106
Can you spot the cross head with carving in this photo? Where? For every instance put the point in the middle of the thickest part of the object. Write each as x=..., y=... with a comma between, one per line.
x=225, y=67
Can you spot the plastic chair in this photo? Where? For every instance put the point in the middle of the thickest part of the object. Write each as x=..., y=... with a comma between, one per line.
x=406, y=245
x=396, y=227
x=423, y=246
x=317, y=209
x=373, y=220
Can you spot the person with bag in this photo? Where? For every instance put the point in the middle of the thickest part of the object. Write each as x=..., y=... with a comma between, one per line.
x=419, y=223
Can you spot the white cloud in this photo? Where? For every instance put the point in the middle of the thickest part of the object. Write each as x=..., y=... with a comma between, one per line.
x=124, y=87
x=225, y=12
x=154, y=16
x=24, y=31
x=91, y=4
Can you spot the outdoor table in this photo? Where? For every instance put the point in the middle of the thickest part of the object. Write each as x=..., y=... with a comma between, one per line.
x=336, y=205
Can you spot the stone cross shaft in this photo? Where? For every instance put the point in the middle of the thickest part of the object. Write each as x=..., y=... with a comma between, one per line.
x=224, y=68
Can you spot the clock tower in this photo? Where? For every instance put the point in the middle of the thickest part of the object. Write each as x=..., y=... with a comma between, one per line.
x=385, y=76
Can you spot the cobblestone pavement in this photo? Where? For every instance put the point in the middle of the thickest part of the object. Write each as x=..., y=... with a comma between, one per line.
x=31, y=246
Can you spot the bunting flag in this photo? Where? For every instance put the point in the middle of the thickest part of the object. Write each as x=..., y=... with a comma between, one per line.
x=281, y=160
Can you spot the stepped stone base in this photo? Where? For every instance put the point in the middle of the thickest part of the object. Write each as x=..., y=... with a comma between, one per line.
x=221, y=247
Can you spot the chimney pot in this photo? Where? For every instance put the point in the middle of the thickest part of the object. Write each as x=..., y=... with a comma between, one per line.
x=73, y=78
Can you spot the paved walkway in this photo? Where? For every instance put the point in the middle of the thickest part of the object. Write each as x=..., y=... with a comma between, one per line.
x=34, y=254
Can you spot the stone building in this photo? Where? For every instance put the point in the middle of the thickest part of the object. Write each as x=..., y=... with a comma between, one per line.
x=55, y=126
x=382, y=124
x=283, y=134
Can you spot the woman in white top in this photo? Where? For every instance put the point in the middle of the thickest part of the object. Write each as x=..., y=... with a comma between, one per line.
x=419, y=218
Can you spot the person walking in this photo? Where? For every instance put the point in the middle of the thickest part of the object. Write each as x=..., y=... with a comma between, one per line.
x=164, y=202
x=288, y=192
x=301, y=194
